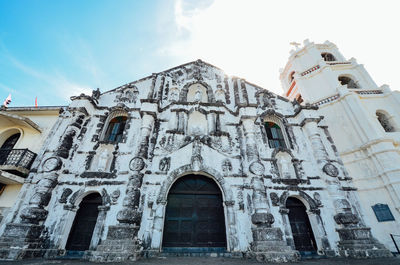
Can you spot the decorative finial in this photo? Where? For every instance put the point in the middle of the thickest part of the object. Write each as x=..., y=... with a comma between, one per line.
x=295, y=44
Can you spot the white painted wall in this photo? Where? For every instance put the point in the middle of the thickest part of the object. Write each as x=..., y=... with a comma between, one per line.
x=371, y=155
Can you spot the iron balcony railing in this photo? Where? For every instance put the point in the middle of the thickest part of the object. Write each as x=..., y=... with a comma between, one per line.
x=16, y=161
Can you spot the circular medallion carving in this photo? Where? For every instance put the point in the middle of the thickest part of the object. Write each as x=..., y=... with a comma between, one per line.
x=257, y=168
x=136, y=164
x=331, y=170
x=52, y=163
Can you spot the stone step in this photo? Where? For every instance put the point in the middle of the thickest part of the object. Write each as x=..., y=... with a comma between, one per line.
x=195, y=254
x=306, y=255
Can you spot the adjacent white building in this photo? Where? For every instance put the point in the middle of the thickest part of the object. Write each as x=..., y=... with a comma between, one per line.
x=364, y=122
x=23, y=131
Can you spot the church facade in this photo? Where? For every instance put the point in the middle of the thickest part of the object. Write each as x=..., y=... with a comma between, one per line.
x=188, y=159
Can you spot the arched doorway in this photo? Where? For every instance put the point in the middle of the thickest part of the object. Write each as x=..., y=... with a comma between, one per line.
x=300, y=224
x=84, y=223
x=194, y=215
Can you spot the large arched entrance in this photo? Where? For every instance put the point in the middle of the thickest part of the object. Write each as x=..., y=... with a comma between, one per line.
x=194, y=215
x=84, y=223
x=303, y=236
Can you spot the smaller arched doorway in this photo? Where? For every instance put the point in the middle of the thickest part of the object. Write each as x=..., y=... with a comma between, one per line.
x=85, y=220
x=303, y=236
x=194, y=215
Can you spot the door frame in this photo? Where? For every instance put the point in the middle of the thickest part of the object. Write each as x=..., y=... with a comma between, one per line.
x=71, y=215
x=314, y=218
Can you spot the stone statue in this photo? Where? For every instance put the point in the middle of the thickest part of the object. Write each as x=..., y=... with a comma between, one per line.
x=102, y=163
x=96, y=94
x=173, y=96
x=198, y=95
x=285, y=167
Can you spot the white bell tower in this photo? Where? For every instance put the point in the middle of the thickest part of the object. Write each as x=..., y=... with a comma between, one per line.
x=318, y=71
x=364, y=122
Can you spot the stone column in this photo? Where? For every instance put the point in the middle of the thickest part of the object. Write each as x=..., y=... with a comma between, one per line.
x=231, y=226
x=101, y=218
x=268, y=244
x=182, y=121
x=286, y=223
x=355, y=239
x=319, y=232
x=211, y=123
x=249, y=134
x=314, y=136
x=158, y=226
x=122, y=243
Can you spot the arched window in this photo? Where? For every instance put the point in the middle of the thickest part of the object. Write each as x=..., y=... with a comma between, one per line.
x=328, y=57
x=11, y=141
x=291, y=77
x=385, y=122
x=7, y=146
x=274, y=134
x=345, y=80
x=115, y=129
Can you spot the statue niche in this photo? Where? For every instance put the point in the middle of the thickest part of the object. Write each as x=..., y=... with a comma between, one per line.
x=285, y=165
x=197, y=93
x=102, y=159
x=197, y=123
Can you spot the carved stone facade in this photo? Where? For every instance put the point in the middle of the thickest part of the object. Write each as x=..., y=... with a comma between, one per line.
x=131, y=144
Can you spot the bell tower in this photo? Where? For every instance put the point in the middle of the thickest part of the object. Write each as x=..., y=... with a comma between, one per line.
x=318, y=71
x=363, y=121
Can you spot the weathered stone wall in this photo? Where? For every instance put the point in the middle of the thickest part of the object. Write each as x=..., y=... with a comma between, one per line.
x=191, y=119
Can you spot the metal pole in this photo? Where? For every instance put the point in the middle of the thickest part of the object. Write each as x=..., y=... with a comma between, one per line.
x=395, y=244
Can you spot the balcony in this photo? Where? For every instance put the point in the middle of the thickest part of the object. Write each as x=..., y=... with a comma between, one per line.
x=16, y=161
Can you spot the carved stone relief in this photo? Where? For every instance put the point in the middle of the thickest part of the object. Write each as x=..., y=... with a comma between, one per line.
x=66, y=144
x=257, y=168
x=164, y=164
x=136, y=164
x=51, y=164
x=331, y=170
x=274, y=198
x=317, y=198
x=173, y=95
x=128, y=95
x=64, y=196
x=114, y=196
x=226, y=167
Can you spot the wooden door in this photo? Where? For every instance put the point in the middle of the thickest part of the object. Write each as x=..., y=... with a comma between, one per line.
x=194, y=214
x=301, y=228
x=84, y=223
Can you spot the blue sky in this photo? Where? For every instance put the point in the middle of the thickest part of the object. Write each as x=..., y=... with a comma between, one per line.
x=55, y=49
x=52, y=49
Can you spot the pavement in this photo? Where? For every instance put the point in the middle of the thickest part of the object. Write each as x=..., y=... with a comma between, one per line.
x=208, y=261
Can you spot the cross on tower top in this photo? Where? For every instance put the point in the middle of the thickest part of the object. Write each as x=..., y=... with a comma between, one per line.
x=295, y=44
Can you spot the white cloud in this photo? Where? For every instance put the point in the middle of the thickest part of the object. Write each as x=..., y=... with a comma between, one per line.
x=251, y=38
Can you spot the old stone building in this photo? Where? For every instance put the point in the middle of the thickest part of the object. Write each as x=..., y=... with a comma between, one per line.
x=364, y=122
x=188, y=159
